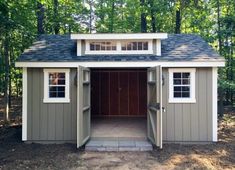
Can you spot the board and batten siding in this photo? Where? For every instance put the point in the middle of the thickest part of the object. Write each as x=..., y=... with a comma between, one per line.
x=189, y=122
x=50, y=121
x=56, y=122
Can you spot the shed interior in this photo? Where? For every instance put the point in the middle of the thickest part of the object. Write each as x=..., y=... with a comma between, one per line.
x=119, y=103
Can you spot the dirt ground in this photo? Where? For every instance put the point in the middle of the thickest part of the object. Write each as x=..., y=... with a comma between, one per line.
x=15, y=111
x=14, y=154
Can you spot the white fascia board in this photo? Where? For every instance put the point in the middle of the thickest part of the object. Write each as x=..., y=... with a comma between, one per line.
x=120, y=36
x=120, y=64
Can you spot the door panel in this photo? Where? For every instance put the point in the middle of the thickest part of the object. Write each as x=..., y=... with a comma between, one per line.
x=105, y=96
x=133, y=91
x=114, y=93
x=123, y=93
x=83, y=105
x=119, y=92
x=142, y=92
x=95, y=93
x=154, y=115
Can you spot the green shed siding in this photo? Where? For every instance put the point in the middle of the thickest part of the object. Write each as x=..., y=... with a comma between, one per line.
x=184, y=122
x=50, y=121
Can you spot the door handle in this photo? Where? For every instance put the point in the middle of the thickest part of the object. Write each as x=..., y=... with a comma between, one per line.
x=163, y=109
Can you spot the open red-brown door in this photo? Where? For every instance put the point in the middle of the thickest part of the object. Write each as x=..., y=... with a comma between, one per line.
x=154, y=114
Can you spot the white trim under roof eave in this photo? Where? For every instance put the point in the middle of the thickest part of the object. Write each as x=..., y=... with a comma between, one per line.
x=121, y=64
x=119, y=36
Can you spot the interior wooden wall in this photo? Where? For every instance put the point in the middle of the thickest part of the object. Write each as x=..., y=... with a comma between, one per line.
x=118, y=92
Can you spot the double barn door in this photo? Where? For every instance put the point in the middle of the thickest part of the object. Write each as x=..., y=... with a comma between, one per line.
x=118, y=92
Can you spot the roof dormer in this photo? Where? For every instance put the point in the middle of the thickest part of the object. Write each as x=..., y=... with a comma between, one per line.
x=124, y=44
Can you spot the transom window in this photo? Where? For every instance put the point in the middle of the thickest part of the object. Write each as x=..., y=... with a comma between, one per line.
x=103, y=46
x=56, y=85
x=182, y=85
x=134, y=46
x=110, y=47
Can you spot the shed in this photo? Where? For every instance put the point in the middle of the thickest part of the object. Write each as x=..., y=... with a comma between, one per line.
x=154, y=86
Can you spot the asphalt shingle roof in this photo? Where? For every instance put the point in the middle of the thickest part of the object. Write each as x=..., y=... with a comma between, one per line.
x=177, y=47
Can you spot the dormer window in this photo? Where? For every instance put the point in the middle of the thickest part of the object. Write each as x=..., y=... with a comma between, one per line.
x=135, y=46
x=119, y=44
x=103, y=46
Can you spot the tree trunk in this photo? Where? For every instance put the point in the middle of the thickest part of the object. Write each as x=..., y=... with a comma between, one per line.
x=231, y=69
x=143, y=19
x=10, y=90
x=11, y=56
x=6, y=90
x=40, y=18
x=153, y=16
x=90, y=17
x=102, y=14
x=221, y=94
x=112, y=18
x=153, y=22
x=221, y=103
x=178, y=21
x=56, y=21
x=219, y=25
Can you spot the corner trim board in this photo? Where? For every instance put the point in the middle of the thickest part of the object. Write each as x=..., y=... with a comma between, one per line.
x=24, y=105
x=214, y=104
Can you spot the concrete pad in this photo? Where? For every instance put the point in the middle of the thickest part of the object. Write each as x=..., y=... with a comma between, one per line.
x=143, y=144
x=116, y=145
x=126, y=144
x=111, y=149
x=110, y=143
x=101, y=149
x=94, y=143
x=129, y=149
x=146, y=148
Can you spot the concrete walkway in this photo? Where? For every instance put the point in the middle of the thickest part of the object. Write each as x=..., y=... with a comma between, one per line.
x=118, y=145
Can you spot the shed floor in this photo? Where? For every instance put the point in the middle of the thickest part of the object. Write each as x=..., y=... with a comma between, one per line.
x=119, y=128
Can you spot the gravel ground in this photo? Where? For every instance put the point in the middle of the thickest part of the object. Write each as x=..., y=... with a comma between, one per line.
x=15, y=154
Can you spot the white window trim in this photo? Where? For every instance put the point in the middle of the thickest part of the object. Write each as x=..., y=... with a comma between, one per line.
x=118, y=49
x=192, y=98
x=46, y=98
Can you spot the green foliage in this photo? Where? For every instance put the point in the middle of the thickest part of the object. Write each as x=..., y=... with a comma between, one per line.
x=18, y=20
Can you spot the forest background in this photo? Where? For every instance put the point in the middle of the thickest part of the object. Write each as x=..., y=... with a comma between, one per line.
x=22, y=21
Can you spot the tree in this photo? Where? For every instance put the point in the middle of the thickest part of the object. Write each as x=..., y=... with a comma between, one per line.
x=153, y=15
x=143, y=19
x=40, y=18
x=56, y=17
